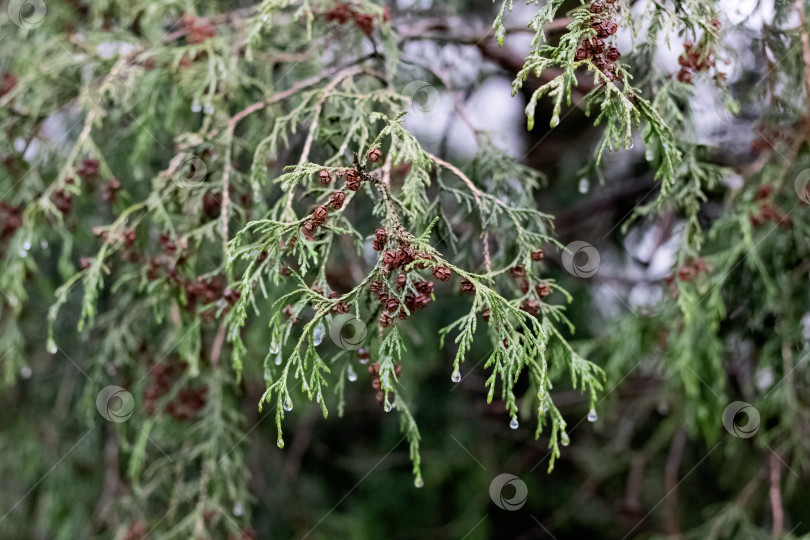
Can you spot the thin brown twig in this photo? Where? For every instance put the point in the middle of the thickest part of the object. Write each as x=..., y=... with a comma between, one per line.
x=805, y=52
x=463, y=177
x=776, y=495
x=216, y=347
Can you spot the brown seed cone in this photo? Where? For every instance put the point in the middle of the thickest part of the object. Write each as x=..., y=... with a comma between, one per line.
x=442, y=273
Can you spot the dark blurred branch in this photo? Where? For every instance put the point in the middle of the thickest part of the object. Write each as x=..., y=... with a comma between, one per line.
x=512, y=62
x=672, y=505
x=776, y=495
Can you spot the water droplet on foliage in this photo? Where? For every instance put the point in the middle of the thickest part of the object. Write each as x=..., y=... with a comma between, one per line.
x=317, y=335
x=649, y=155
x=278, y=359
x=26, y=245
x=350, y=374
x=592, y=416
x=514, y=423
x=288, y=405
x=280, y=442
x=555, y=121
x=274, y=348
x=388, y=407
x=25, y=372
x=564, y=440
x=209, y=109
x=44, y=244
x=52, y=347
x=584, y=185
x=23, y=253
x=238, y=510
x=456, y=376
x=418, y=482
x=195, y=106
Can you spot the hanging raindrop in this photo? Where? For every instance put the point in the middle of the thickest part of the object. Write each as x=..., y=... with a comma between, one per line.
x=25, y=372
x=564, y=440
x=350, y=374
x=649, y=154
x=195, y=106
x=317, y=334
x=592, y=416
x=584, y=185
x=418, y=482
x=209, y=109
x=26, y=245
x=288, y=404
x=514, y=423
x=388, y=406
x=456, y=376
x=274, y=348
x=280, y=442
x=52, y=347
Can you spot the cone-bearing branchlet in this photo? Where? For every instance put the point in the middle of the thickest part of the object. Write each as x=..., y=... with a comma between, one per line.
x=337, y=199
x=352, y=180
x=442, y=273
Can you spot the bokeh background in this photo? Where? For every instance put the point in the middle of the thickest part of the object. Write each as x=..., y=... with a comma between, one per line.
x=350, y=476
